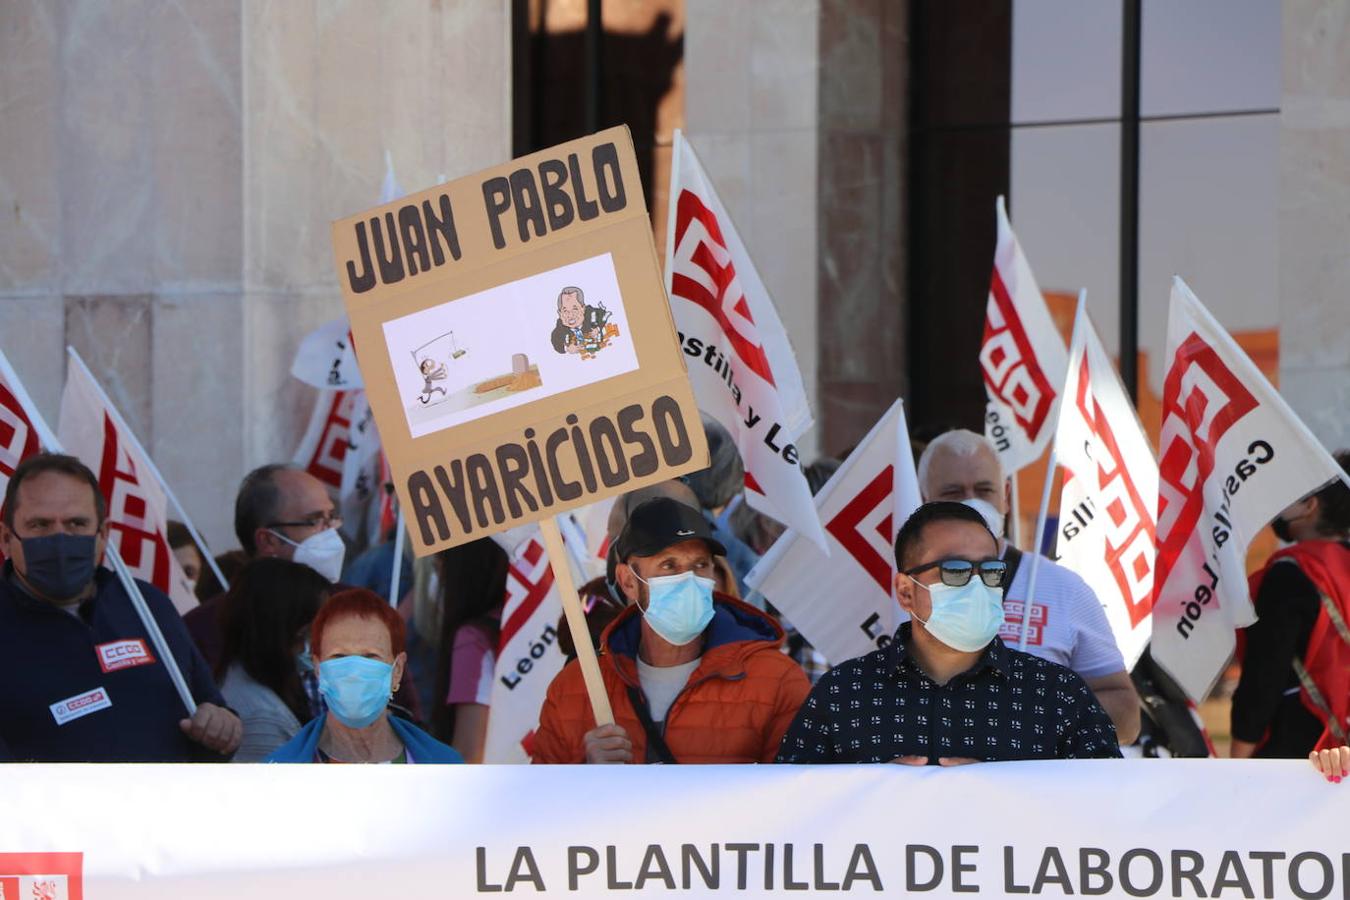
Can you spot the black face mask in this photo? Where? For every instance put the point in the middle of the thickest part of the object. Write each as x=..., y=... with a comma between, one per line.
x=59, y=566
x=1281, y=529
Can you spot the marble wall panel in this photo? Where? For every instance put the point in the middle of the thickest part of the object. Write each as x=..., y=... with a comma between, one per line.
x=197, y=393
x=278, y=405
x=1314, y=267
x=784, y=64
x=1320, y=395
x=717, y=66
x=282, y=150
x=33, y=339
x=195, y=92
x=473, y=96
x=112, y=334
x=851, y=35
x=30, y=207
x=106, y=150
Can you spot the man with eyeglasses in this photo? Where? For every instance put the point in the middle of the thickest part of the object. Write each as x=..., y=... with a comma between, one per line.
x=282, y=511
x=82, y=681
x=1068, y=624
x=947, y=690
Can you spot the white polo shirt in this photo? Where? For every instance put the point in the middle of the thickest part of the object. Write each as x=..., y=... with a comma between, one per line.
x=1068, y=623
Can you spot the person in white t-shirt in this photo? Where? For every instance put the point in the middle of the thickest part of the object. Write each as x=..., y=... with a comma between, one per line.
x=1068, y=625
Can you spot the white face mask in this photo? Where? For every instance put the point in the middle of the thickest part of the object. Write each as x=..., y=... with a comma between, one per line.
x=322, y=552
x=992, y=517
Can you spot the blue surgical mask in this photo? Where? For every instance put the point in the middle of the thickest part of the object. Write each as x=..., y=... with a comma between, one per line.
x=59, y=566
x=679, y=607
x=964, y=618
x=355, y=688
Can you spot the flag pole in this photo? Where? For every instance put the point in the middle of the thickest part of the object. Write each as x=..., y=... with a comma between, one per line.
x=49, y=441
x=1015, y=518
x=1036, y=549
x=394, y=578
x=154, y=470
x=576, y=621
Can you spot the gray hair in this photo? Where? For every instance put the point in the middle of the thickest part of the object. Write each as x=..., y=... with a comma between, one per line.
x=257, y=502
x=581, y=297
x=725, y=476
x=959, y=442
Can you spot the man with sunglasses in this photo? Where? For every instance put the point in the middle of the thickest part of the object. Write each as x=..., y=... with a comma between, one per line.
x=1068, y=624
x=947, y=690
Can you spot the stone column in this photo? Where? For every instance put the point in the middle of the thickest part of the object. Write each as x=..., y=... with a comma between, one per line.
x=1314, y=216
x=170, y=173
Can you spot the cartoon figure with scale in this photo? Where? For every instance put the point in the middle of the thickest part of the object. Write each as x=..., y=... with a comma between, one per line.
x=581, y=328
x=431, y=369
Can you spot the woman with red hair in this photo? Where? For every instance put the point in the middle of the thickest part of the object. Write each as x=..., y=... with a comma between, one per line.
x=356, y=642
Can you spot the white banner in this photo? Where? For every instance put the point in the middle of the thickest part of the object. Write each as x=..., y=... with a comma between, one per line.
x=1022, y=357
x=1232, y=455
x=527, y=652
x=1107, y=533
x=1111, y=828
x=844, y=603
x=741, y=364
x=138, y=504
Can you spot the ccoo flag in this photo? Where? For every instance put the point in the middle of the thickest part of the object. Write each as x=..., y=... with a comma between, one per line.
x=1232, y=455
x=18, y=437
x=741, y=366
x=1107, y=532
x=138, y=519
x=1021, y=356
x=844, y=603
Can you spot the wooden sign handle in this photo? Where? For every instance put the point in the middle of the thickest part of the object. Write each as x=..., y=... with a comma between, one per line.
x=576, y=621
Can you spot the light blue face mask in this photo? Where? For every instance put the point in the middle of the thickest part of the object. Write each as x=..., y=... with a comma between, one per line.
x=964, y=618
x=355, y=688
x=679, y=607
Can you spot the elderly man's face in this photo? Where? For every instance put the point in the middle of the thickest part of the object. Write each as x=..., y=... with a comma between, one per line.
x=571, y=310
x=952, y=476
x=52, y=503
x=304, y=510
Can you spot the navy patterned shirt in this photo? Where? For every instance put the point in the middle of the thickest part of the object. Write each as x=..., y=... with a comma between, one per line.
x=1009, y=705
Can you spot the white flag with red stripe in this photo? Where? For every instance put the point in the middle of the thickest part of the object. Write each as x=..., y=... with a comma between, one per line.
x=18, y=436
x=1233, y=454
x=844, y=603
x=1022, y=357
x=1107, y=532
x=138, y=504
x=527, y=653
x=740, y=362
x=341, y=448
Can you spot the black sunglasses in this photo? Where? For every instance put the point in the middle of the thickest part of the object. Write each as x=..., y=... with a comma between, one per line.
x=957, y=572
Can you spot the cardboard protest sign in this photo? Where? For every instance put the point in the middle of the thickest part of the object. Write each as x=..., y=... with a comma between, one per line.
x=516, y=342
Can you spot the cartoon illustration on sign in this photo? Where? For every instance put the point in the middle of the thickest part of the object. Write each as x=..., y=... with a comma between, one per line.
x=581, y=329
x=428, y=359
x=492, y=351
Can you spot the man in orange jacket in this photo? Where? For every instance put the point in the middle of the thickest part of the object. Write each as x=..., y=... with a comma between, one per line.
x=693, y=676
x=1294, y=693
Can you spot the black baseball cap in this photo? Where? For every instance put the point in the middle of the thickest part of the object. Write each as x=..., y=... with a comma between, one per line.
x=660, y=523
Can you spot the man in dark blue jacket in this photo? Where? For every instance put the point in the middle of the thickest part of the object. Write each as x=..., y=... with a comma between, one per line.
x=80, y=680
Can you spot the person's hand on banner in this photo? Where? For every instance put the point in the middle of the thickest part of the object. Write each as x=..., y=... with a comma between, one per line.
x=1334, y=763
x=215, y=728
x=945, y=761
x=608, y=744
